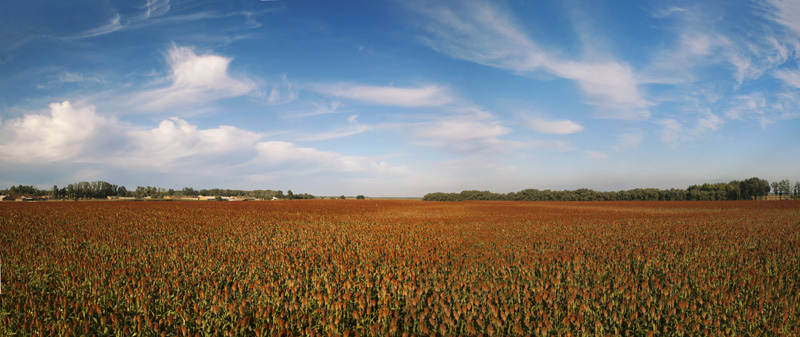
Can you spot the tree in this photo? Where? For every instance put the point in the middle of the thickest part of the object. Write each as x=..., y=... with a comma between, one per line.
x=342, y=197
x=360, y=197
x=797, y=189
x=733, y=192
x=775, y=187
x=289, y=195
x=785, y=187
x=753, y=188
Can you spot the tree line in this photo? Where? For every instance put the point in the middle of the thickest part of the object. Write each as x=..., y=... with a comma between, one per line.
x=102, y=190
x=748, y=189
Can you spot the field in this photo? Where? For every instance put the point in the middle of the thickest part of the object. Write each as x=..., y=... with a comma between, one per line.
x=367, y=267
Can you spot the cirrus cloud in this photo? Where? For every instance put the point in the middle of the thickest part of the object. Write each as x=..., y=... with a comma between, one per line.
x=556, y=127
x=413, y=97
x=482, y=33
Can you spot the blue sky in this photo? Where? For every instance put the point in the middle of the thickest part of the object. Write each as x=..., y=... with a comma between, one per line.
x=399, y=98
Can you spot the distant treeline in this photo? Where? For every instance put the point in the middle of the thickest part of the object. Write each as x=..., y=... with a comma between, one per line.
x=748, y=189
x=102, y=190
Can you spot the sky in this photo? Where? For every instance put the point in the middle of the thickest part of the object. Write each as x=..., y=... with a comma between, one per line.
x=399, y=98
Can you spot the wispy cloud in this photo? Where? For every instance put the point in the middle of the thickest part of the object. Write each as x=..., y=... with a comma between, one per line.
x=111, y=26
x=595, y=155
x=422, y=96
x=752, y=106
x=482, y=33
x=70, y=77
x=789, y=76
x=556, y=127
x=704, y=126
x=157, y=12
x=785, y=12
x=670, y=131
x=294, y=160
x=747, y=104
x=151, y=9
x=339, y=133
x=465, y=133
x=282, y=92
x=705, y=40
x=319, y=109
x=695, y=46
x=707, y=122
x=629, y=140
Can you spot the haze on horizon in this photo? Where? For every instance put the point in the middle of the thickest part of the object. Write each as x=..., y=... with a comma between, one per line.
x=399, y=98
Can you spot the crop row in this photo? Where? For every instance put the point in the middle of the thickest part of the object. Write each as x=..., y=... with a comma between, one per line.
x=368, y=268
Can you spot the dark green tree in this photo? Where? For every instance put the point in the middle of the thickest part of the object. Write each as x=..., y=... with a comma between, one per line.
x=784, y=187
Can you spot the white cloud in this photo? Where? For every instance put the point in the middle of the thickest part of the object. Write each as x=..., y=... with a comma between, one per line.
x=65, y=133
x=787, y=13
x=153, y=8
x=697, y=44
x=753, y=106
x=746, y=105
x=319, y=109
x=595, y=155
x=304, y=160
x=744, y=68
x=79, y=135
x=424, y=96
x=481, y=33
x=787, y=105
x=69, y=77
x=694, y=47
x=111, y=26
x=708, y=122
x=552, y=144
x=557, y=127
x=628, y=141
x=175, y=142
x=790, y=77
x=282, y=93
x=464, y=134
x=671, y=130
x=705, y=40
x=195, y=79
x=611, y=86
x=349, y=131
x=353, y=128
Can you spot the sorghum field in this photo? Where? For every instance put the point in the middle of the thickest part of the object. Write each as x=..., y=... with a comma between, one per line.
x=367, y=267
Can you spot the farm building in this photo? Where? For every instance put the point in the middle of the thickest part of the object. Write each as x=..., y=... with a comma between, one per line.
x=18, y=197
